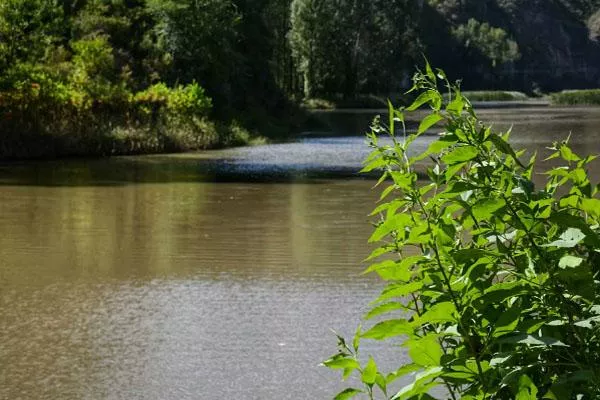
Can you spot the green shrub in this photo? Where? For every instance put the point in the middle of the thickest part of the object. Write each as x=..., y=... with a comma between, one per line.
x=493, y=43
x=360, y=101
x=319, y=104
x=184, y=100
x=577, y=97
x=495, y=95
x=43, y=115
x=493, y=282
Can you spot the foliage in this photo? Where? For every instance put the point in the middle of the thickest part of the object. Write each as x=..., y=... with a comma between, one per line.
x=349, y=47
x=494, y=95
x=577, y=97
x=40, y=115
x=28, y=29
x=593, y=24
x=188, y=100
x=492, y=281
x=258, y=59
x=489, y=41
x=199, y=35
x=357, y=102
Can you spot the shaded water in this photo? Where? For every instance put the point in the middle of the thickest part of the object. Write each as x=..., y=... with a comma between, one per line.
x=198, y=276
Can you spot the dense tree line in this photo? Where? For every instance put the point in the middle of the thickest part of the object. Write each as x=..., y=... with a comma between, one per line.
x=252, y=59
x=296, y=47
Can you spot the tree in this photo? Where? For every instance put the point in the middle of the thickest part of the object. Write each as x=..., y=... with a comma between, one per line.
x=493, y=43
x=349, y=46
x=28, y=29
x=200, y=37
x=315, y=43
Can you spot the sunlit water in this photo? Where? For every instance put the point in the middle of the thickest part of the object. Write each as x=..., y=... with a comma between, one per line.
x=208, y=276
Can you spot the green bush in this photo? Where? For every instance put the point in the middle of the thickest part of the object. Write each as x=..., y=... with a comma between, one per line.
x=495, y=95
x=43, y=114
x=493, y=43
x=492, y=282
x=185, y=100
x=576, y=97
x=339, y=102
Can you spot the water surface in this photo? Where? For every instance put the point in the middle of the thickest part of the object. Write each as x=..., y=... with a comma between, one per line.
x=199, y=276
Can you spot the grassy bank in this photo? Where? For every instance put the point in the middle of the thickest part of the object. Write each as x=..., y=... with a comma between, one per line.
x=44, y=117
x=576, y=97
x=376, y=101
x=107, y=139
x=495, y=95
x=366, y=101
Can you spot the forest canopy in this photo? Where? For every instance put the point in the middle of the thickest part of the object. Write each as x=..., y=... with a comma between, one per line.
x=251, y=61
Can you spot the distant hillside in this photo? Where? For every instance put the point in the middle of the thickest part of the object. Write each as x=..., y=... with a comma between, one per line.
x=557, y=42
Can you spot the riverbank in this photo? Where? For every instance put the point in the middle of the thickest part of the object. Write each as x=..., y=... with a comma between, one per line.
x=41, y=118
x=127, y=140
x=576, y=97
x=373, y=101
x=112, y=135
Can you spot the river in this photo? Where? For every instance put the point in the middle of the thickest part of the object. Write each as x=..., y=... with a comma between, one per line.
x=214, y=275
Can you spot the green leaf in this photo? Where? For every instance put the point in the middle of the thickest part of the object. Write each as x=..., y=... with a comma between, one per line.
x=440, y=312
x=457, y=104
x=570, y=262
x=414, y=391
x=387, y=329
x=425, y=351
x=390, y=270
x=570, y=238
x=383, y=309
x=504, y=147
x=453, y=170
x=464, y=256
x=526, y=389
x=428, y=122
x=378, y=252
x=356, y=339
x=589, y=323
x=400, y=372
x=347, y=394
x=341, y=362
x=391, y=116
x=395, y=222
x=558, y=391
x=399, y=290
x=499, y=360
x=507, y=322
x=369, y=373
x=420, y=234
x=430, y=96
x=483, y=210
x=532, y=341
x=459, y=187
x=567, y=154
x=381, y=382
x=436, y=147
x=501, y=292
x=429, y=72
x=377, y=163
x=423, y=382
x=591, y=206
x=460, y=154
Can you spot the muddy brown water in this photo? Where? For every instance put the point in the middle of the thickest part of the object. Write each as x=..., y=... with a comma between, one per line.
x=199, y=276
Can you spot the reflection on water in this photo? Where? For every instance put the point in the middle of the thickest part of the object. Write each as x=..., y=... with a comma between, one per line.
x=197, y=276
x=180, y=290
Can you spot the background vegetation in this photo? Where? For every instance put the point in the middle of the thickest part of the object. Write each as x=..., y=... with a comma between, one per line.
x=106, y=76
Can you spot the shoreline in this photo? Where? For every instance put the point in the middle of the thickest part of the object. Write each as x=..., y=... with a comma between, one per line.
x=47, y=147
